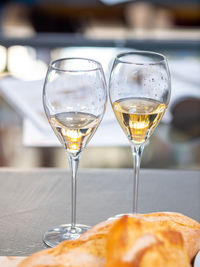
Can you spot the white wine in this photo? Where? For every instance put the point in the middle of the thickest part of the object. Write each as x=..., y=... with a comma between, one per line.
x=74, y=129
x=138, y=117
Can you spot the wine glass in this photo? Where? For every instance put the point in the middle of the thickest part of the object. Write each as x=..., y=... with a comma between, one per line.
x=74, y=99
x=139, y=89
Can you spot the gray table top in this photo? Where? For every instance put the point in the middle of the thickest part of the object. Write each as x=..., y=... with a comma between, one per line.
x=32, y=201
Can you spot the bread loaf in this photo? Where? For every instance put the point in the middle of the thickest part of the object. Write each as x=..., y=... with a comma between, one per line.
x=159, y=239
x=146, y=240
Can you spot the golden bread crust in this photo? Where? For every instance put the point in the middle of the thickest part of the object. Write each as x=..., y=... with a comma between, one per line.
x=142, y=240
x=137, y=242
x=87, y=251
x=189, y=228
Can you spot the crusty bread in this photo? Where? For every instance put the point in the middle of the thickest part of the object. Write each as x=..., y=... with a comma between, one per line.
x=158, y=239
x=142, y=240
x=189, y=228
x=87, y=251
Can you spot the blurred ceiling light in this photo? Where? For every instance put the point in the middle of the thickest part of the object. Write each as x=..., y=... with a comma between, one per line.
x=3, y=58
x=22, y=63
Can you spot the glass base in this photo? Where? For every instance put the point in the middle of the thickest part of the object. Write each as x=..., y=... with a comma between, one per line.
x=56, y=235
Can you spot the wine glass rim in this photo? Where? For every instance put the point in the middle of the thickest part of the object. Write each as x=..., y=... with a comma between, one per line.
x=121, y=60
x=98, y=64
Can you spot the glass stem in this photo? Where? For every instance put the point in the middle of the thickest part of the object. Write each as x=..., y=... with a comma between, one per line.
x=74, y=163
x=137, y=154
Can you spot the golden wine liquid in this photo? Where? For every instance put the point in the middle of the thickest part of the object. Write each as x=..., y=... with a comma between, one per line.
x=74, y=129
x=138, y=117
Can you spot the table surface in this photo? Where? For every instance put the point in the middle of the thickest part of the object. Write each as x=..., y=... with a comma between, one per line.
x=32, y=201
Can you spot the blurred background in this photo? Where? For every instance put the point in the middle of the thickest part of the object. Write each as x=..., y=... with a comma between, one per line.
x=34, y=32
